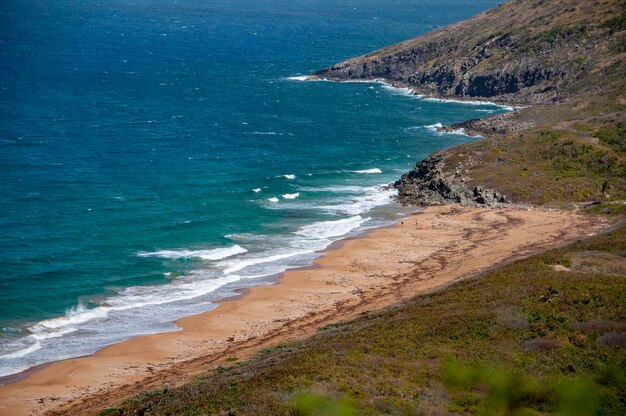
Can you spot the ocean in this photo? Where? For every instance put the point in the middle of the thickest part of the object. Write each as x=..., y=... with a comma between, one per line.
x=156, y=156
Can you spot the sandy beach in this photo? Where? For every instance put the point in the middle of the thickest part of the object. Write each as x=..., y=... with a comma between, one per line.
x=427, y=251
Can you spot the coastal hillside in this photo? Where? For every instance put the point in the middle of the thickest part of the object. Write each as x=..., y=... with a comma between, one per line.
x=541, y=336
x=564, y=61
x=544, y=335
x=530, y=51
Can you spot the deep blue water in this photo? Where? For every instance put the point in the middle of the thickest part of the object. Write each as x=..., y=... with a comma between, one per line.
x=155, y=155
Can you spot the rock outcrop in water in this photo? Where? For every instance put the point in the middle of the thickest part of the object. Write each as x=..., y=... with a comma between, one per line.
x=429, y=184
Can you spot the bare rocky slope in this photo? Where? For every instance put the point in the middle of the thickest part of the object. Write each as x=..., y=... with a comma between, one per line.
x=530, y=51
x=563, y=60
x=429, y=184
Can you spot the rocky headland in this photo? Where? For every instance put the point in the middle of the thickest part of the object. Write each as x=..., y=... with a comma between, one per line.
x=562, y=60
x=529, y=51
x=430, y=184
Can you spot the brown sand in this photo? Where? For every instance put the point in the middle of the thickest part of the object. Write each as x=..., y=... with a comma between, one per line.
x=426, y=251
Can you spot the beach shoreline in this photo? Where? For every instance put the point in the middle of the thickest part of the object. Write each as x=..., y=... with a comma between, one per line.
x=237, y=293
x=426, y=251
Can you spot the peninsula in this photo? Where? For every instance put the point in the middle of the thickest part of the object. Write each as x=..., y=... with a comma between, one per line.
x=562, y=61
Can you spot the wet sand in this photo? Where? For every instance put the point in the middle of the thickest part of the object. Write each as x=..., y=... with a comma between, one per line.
x=425, y=252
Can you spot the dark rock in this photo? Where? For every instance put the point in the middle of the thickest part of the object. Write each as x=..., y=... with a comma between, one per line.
x=428, y=184
x=454, y=78
x=529, y=60
x=498, y=124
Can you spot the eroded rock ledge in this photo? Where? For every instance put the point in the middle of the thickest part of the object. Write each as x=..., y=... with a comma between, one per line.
x=428, y=184
x=499, y=124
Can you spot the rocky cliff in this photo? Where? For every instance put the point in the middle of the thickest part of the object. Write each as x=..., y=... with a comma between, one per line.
x=429, y=184
x=530, y=51
x=564, y=60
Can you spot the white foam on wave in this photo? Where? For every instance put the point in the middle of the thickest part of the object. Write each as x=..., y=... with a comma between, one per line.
x=273, y=199
x=367, y=171
x=337, y=188
x=42, y=332
x=350, y=200
x=256, y=190
x=22, y=353
x=76, y=315
x=190, y=286
x=212, y=254
x=405, y=91
x=148, y=303
x=58, y=327
x=235, y=266
x=148, y=307
x=473, y=102
x=289, y=176
x=330, y=229
x=137, y=300
x=372, y=197
x=291, y=196
x=312, y=78
x=400, y=90
x=265, y=133
x=386, y=85
x=300, y=78
x=308, y=239
x=434, y=127
x=247, y=237
x=460, y=131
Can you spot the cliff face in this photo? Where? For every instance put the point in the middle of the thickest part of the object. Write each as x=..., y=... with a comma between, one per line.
x=430, y=184
x=530, y=51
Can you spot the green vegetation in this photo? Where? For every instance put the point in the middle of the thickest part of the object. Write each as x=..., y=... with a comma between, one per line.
x=556, y=154
x=614, y=137
x=548, y=166
x=491, y=391
x=310, y=404
x=617, y=23
x=569, y=32
x=528, y=338
x=111, y=412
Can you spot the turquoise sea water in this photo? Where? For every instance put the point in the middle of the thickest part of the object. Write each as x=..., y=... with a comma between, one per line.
x=155, y=155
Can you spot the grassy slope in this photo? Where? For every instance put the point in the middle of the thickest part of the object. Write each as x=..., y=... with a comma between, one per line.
x=571, y=154
x=518, y=338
